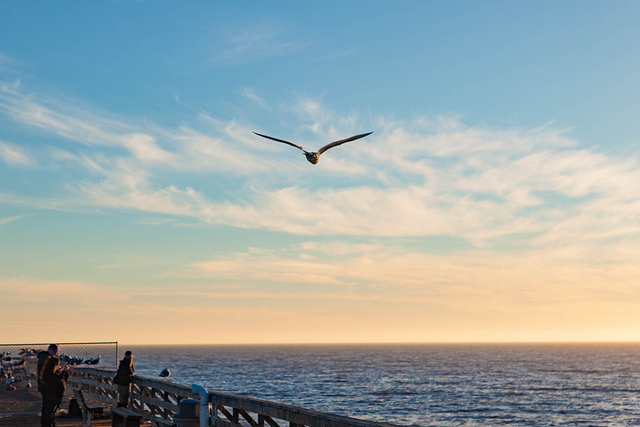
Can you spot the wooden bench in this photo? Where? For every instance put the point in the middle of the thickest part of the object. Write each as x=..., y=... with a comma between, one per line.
x=123, y=417
x=88, y=409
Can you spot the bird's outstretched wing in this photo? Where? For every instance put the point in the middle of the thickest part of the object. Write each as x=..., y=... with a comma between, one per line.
x=342, y=141
x=281, y=140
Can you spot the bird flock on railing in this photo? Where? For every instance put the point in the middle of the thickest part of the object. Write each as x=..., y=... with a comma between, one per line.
x=73, y=360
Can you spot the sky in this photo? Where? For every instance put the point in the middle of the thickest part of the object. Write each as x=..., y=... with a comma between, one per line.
x=497, y=199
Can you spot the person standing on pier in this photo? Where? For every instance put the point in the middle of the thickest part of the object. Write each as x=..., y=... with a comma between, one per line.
x=123, y=379
x=53, y=379
x=43, y=358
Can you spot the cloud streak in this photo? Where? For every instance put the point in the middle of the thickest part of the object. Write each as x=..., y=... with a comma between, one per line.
x=389, y=267
x=13, y=155
x=257, y=44
x=5, y=221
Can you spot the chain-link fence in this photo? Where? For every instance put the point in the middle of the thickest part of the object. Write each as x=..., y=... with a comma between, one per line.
x=19, y=361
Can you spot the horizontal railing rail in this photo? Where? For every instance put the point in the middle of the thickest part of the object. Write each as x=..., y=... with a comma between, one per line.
x=258, y=412
x=96, y=384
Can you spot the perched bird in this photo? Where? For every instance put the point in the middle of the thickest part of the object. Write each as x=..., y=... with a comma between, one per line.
x=92, y=361
x=313, y=157
x=165, y=373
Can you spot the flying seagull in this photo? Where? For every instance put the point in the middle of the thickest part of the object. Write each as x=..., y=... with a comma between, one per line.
x=313, y=157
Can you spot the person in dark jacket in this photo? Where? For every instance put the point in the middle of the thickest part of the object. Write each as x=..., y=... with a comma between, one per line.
x=43, y=358
x=53, y=379
x=123, y=379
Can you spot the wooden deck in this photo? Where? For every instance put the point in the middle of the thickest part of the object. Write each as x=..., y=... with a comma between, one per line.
x=21, y=407
x=28, y=420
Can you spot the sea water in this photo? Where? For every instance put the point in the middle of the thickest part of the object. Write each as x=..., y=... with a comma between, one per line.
x=427, y=385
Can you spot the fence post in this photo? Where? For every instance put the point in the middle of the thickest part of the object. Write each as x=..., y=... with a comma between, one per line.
x=214, y=410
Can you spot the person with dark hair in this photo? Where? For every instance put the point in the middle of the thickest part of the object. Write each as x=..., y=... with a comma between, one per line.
x=123, y=379
x=43, y=358
x=53, y=378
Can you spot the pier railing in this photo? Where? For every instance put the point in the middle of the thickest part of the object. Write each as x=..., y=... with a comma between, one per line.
x=259, y=413
x=153, y=399
x=158, y=400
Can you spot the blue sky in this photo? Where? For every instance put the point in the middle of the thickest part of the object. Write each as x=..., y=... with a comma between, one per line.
x=496, y=200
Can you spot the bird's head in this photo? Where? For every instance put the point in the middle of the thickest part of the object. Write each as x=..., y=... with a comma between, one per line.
x=312, y=157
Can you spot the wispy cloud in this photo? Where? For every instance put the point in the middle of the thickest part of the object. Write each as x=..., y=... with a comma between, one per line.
x=5, y=221
x=431, y=176
x=251, y=94
x=391, y=267
x=27, y=290
x=66, y=118
x=14, y=155
x=252, y=45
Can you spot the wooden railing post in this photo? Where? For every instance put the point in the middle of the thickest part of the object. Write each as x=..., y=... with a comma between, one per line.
x=214, y=409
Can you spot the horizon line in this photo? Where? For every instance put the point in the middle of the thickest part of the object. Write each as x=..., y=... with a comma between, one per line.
x=391, y=343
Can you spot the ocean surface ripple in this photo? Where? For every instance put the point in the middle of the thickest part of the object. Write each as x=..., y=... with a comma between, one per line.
x=426, y=385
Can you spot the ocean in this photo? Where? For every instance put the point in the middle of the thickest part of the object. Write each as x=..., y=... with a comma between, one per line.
x=425, y=385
